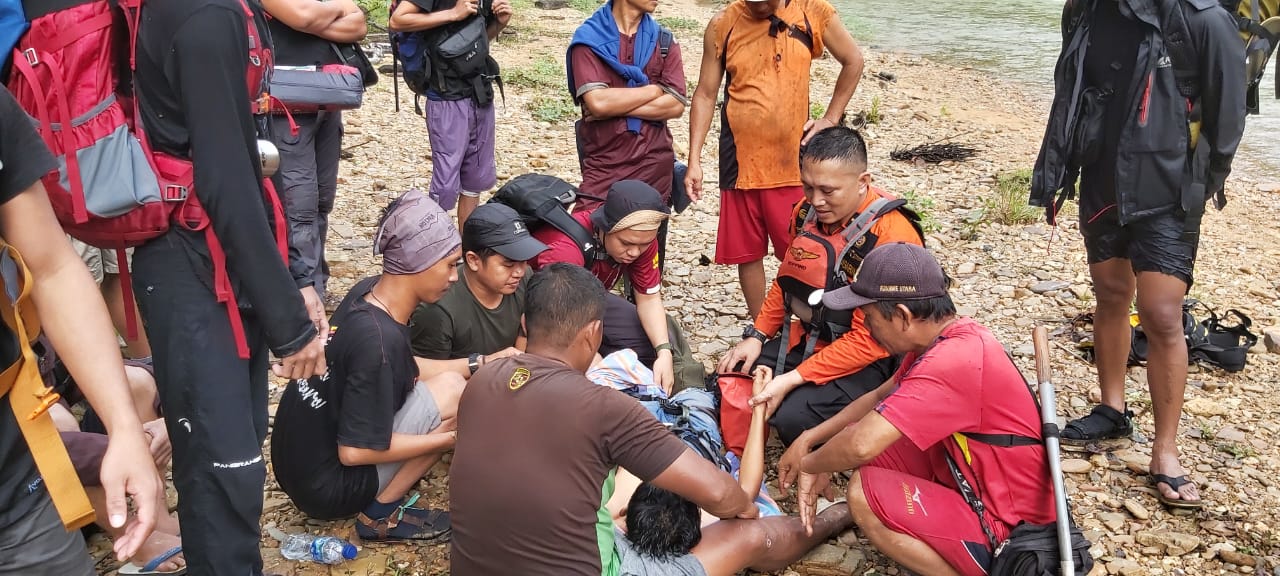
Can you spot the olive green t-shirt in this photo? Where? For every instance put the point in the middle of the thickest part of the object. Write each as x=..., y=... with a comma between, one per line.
x=458, y=325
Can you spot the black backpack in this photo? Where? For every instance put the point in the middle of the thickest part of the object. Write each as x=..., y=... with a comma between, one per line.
x=545, y=200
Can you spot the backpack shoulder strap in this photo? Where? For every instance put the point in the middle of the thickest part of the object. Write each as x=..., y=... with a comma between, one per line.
x=1180, y=49
x=665, y=39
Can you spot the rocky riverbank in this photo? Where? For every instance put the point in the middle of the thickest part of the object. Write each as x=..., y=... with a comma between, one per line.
x=1012, y=273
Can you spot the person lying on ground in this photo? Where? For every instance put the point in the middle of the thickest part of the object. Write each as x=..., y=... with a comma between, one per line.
x=356, y=440
x=660, y=532
x=562, y=439
x=478, y=320
x=626, y=231
x=86, y=442
x=957, y=396
x=825, y=358
x=40, y=265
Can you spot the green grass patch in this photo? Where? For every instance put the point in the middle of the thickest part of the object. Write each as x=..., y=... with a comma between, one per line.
x=375, y=13
x=552, y=109
x=544, y=73
x=585, y=6
x=816, y=110
x=681, y=24
x=1008, y=205
x=924, y=206
x=521, y=5
x=873, y=115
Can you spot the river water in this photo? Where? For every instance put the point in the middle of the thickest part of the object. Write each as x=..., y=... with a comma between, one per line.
x=1016, y=40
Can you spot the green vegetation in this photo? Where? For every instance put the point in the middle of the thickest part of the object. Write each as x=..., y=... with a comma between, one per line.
x=544, y=73
x=924, y=206
x=858, y=27
x=681, y=24
x=552, y=109
x=585, y=6
x=375, y=13
x=816, y=110
x=873, y=115
x=1009, y=204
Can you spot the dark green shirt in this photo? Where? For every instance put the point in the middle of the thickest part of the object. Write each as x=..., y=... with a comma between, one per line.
x=458, y=325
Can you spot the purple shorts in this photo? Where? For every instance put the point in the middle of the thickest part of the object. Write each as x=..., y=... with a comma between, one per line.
x=462, y=160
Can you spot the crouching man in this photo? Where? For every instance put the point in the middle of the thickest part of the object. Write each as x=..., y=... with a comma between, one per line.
x=356, y=440
x=540, y=447
x=956, y=397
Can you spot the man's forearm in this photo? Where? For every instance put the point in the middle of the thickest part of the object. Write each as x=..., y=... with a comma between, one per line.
x=847, y=416
x=428, y=368
x=618, y=102
x=660, y=109
x=699, y=123
x=419, y=21
x=351, y=27
x=846, y=85
x=403, y=447
x=837, y=455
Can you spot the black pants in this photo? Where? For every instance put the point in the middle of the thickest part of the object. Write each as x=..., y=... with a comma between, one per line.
x=308, y=184
x=812, y=404
x=215, y=405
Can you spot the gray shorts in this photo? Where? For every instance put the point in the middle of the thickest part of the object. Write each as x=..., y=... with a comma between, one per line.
x=37, y=545
x=100, y=262
x=419, y=415
x=632, y=563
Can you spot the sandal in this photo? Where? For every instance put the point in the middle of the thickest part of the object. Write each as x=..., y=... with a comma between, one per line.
x=406, y=523
x=1175, y=483
x=1103, y=424
x=150, y=567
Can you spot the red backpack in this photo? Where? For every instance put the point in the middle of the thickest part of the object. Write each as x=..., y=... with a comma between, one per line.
x=111, y=189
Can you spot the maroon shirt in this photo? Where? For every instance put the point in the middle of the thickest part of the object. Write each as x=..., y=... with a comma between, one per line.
x=609, y=151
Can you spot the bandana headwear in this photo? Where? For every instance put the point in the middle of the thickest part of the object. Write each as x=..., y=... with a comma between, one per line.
x=415, y=234
x=630, y=205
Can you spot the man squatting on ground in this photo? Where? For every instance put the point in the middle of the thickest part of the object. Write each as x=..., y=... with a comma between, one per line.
x=356, y=440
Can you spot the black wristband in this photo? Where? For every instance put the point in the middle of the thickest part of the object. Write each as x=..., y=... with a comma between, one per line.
x=473, y=363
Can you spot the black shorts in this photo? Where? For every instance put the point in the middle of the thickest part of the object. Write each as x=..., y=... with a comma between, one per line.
x=1154, y=244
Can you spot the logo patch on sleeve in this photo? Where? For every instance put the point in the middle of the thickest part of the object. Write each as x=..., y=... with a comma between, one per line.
x=518, y=379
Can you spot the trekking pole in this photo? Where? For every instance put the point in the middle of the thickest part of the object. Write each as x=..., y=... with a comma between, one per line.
x=1052, y=435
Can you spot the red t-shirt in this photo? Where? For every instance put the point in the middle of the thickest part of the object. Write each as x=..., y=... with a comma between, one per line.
x=644, y=272
x=966, y=383
x=610, y=151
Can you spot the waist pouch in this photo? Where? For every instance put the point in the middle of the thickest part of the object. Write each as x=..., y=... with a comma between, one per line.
x=466, y=49
x=1086, y=138
x=331, y=87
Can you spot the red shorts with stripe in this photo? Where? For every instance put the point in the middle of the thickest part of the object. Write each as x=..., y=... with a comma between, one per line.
x=751, y=220
x=901, y=490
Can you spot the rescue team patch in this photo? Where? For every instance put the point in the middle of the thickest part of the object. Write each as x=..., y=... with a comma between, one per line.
x=518, y=379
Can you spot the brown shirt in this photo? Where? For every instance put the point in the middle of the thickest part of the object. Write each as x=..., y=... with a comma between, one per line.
x=767, y=103
x=610, y=152
x=538, y=445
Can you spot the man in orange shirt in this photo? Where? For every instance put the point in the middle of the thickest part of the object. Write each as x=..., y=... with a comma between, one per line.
x=764, y=48
x=825, y=358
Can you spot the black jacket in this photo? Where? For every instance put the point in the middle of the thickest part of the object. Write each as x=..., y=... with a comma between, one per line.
x=1156, y=171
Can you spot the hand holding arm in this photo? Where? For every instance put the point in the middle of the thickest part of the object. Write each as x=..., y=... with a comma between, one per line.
x=751, y=473
x=845, y=50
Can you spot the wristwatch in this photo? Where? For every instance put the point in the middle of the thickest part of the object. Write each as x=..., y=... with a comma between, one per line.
x=751, y=332
x=473, y=363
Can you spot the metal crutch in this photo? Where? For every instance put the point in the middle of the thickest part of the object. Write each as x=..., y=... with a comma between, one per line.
x=1052, y=435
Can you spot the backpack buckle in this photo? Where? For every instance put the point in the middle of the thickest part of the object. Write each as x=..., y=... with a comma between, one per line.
x=30, y=55
x=173, y=193
x=255, y=60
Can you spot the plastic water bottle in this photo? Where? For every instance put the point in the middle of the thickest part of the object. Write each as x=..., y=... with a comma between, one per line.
x=321, y=549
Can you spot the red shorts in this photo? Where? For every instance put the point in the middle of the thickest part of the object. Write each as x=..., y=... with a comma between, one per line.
x=900, y=490
x=752, y=219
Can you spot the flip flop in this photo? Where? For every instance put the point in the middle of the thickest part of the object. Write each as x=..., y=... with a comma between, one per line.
x=150, y=567
x=1174, y=483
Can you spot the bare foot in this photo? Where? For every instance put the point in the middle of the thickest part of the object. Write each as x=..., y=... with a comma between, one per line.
x=168, y=524
x=159, y=543
x=1168, y=465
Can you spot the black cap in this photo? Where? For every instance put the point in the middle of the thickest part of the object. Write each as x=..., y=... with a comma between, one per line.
x=499, y=228
x=897, y=271
x=626, y=197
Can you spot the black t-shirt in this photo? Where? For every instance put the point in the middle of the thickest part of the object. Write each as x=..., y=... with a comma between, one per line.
x=459, y=325
x=371, y=372
x=297, y=48
x=1109, y=64
x=23, y=160
x=193, y=57
x=449, y=88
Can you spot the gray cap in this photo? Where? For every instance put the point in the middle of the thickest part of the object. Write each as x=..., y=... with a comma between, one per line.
x=897, y=271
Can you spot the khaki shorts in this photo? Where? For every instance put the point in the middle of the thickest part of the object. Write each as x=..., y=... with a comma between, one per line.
x=100, y=262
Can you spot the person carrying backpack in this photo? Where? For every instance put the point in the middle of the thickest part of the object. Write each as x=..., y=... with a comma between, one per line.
x=625, y=71
x=193, y=61
x=824, y=359
x=304, y=33
x=460, y=112
x=1148, y=117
